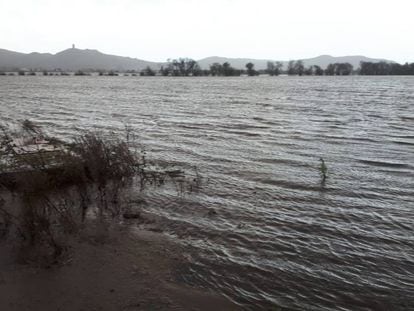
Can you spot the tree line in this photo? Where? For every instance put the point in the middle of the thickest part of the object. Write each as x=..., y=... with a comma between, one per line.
x=189, y=67
x=384, y=69
x=184, y=67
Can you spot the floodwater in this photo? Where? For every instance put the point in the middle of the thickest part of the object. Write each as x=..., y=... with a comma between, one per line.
x=266, y=231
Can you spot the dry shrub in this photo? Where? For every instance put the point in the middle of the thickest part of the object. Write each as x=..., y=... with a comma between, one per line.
x=56, y=193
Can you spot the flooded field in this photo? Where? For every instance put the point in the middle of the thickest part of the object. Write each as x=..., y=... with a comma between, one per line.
x=264, y=229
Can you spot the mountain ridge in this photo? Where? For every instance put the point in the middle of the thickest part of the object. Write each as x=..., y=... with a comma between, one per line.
x=74, y=59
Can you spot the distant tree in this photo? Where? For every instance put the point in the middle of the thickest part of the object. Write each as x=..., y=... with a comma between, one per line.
x=343, y=69
x=339, y=69
x=291, y=68
x=299, y=68
x=45, y=73
x=279, y=66
x=308, y=71
x=172, y=67
x=227, y=69
x=317, y=70
x=148, y=72
x=80, y=73
x=216, y=69
x=274, y=68
x=330, y=70
x=2, y=73
x=196, y=70
x=112, y=73
x=165, y=71
x=384, y=68
x=250, y=69
x=183, y=67
x=369, y=68
x=270, y=68
x=296, y=68
x=21, y=73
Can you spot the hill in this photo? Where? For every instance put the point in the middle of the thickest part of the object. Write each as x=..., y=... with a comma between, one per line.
x=76, y=59
x=71, y=60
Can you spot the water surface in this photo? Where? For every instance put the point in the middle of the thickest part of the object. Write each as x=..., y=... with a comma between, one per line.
x=279, y=236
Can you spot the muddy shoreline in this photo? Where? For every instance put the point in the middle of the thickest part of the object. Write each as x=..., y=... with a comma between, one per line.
x=129, y=270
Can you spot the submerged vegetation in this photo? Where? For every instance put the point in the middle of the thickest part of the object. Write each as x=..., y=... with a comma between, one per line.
x=49, y=189
x=323, y=170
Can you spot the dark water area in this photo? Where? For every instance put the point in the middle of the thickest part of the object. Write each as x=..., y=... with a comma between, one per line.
x=278, y=235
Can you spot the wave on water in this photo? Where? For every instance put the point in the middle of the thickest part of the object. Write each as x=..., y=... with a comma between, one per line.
x=278, y=236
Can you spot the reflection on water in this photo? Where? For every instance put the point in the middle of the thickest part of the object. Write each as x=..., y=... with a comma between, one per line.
x=278, y=237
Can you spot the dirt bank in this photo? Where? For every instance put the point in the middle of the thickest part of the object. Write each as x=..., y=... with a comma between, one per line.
x=131, y=270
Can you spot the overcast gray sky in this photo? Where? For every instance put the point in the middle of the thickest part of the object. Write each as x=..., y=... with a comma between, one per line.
x=161, y=29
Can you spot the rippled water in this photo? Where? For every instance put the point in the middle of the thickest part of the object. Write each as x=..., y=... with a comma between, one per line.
x=279, y=235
